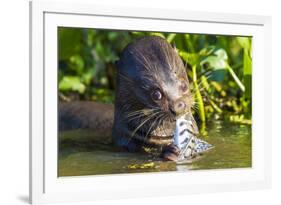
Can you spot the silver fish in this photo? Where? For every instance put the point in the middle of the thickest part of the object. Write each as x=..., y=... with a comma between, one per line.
x=186, y=140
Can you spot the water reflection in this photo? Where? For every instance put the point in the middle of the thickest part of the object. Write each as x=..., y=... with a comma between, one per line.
x=82, y=153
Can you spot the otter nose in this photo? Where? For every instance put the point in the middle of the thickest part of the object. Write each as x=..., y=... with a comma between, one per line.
x=179, y=107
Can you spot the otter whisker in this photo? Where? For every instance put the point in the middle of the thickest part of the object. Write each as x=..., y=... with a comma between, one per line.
x=151, y=126
x=147, y=119
x=160, y=124
x=137, y=116
x=165, y=117
x=143, y=111
x=140, y=113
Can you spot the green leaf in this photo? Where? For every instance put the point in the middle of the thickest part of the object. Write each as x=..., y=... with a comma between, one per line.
x=207, y=51
x=157, y=34
x=76, y=63
x=247, y=64
x=112, y=36
x=221, y=53
x=198, y=96
x=171, y=37
x=191, y=58
x=218, y=75
x=247, y=71
x=217, y=59
x=69, y=41
x=71, y=83
x=214, y=62
x=138, y=33
x=245, y=42
x=88, y=76
x=204, y=82
x=236, y=79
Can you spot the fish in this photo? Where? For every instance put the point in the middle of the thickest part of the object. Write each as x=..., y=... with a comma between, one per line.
x=187, y=141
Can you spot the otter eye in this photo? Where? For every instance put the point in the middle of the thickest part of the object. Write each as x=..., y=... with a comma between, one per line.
x=184, y=86
x=156, y=95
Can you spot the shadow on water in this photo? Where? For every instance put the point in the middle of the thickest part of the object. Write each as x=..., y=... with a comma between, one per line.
x=82, y=153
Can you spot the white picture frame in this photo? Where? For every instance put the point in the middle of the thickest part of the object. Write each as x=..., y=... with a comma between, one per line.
x=46, y=187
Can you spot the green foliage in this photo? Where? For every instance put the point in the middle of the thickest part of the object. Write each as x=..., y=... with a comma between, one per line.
x=72, y=83
x=220, y=68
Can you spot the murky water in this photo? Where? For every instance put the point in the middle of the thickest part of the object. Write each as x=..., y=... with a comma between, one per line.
x=81, y=153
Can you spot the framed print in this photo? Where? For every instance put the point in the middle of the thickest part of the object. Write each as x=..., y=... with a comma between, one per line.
x=130, y=102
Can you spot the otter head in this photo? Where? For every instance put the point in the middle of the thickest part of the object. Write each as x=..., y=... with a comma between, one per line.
x=152, y=89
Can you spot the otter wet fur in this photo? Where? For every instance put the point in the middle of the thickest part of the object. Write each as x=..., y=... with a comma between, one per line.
x=152, y=92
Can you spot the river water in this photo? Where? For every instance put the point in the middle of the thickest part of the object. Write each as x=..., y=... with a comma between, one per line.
x=82, y=154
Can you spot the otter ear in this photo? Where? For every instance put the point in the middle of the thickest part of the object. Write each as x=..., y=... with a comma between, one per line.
x=175, y=47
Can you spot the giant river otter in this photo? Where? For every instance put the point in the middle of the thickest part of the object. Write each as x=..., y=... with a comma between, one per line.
x=152, y=91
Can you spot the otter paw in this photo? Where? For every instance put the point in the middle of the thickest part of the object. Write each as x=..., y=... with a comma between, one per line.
x=171, y=153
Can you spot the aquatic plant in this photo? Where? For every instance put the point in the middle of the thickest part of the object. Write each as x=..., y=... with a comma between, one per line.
x=219, y=67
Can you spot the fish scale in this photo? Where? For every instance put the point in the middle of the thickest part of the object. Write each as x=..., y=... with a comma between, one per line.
x=188, y=144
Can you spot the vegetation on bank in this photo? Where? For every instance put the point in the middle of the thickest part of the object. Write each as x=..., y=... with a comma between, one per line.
x=219, y=67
